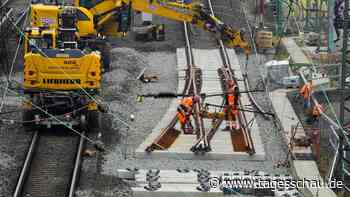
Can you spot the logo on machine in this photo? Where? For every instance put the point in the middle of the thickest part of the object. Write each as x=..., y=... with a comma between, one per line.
x=47, y=21
x=61, y=81
x=70, y=62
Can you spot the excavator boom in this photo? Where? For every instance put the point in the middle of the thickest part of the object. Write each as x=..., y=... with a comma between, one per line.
x=107, y=12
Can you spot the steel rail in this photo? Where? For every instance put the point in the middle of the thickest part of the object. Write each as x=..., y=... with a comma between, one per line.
x=26, y=165
x=77, y=165
x=29, y=160
x=4, y=4
x=21, y=17
x=245, y=76
x=229, y=75
x=201, y=134
x=6, y=16
x=190, y=88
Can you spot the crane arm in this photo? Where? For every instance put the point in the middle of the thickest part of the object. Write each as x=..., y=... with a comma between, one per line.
x=195, y=14
x=189, y=12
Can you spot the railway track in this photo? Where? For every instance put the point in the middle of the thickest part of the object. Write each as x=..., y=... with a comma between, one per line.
x=193, y=82
x=15, y=9
x=52, y=164
x=192, y=86
x=226, y=74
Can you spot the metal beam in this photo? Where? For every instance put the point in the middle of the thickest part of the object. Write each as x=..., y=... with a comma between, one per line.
x=331, y=45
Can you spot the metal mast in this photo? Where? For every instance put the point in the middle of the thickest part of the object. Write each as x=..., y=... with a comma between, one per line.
x=344, y=88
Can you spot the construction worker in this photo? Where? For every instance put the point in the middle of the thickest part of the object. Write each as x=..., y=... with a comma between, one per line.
x=231, y=109
x=184, y=112
x=306, y=92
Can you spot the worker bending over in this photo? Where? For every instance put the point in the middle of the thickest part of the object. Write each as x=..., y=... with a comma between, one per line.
x=184, y=111
x=306, y=92
x=231, y=108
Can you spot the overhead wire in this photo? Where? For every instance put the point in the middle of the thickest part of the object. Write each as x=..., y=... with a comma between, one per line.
x=8, y=79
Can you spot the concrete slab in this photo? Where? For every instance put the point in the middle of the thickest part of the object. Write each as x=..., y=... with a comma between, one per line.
x=171, y=190
x=174, y=183
x=297, y=55
x=308, y=170
x=209, y=61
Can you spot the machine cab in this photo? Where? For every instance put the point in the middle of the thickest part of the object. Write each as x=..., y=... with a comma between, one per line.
x=39, y=39
x=48, y=16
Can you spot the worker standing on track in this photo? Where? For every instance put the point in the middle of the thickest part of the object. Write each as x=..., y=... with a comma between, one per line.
x=231, y=109
x=184, y=111
x=306, y=92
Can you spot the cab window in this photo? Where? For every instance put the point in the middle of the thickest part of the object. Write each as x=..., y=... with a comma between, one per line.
x=89, y=3
x=82, y=16
x=35, y=44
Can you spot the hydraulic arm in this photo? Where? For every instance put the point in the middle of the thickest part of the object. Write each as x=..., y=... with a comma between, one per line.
x=192, y=12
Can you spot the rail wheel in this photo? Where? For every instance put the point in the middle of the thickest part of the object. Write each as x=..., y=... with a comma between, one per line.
x=28, y=120
x=94, y=120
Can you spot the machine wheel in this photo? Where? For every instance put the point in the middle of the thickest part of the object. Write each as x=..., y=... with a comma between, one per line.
x=94, y=120
x=27, y=115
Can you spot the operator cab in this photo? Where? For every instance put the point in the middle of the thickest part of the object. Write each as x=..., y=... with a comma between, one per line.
x=39, y=39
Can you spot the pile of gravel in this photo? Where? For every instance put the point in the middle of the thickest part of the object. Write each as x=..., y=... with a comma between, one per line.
x=120, y=84
x=120, y=89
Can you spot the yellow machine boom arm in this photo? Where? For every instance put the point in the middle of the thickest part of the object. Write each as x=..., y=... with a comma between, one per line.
x=189, y=12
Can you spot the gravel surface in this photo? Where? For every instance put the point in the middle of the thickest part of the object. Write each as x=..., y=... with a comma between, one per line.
x=14, y=143
x=120, y=90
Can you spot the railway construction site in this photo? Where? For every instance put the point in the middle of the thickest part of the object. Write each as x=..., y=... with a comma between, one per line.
x=174, y=98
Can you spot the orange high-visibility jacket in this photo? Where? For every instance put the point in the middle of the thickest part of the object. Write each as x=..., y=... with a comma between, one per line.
x=187, y=102
x=305, y=91
x=231, y=99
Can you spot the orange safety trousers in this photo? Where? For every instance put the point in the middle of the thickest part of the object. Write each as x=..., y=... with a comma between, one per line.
x=231, y=109
x=182, y=118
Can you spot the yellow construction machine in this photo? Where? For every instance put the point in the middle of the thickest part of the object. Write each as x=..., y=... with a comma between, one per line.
x=113, y=18
x=61, y=81
x=66, y=52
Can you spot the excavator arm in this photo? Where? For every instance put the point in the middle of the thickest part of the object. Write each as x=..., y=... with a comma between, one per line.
x=192, y=12
x=195, y=14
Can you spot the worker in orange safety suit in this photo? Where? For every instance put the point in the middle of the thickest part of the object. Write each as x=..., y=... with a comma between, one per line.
x=306, y=92
x=231, y=109
x=184, y=111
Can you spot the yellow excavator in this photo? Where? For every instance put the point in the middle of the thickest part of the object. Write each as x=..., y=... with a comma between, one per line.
x=113, y=17
x=66, y=53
